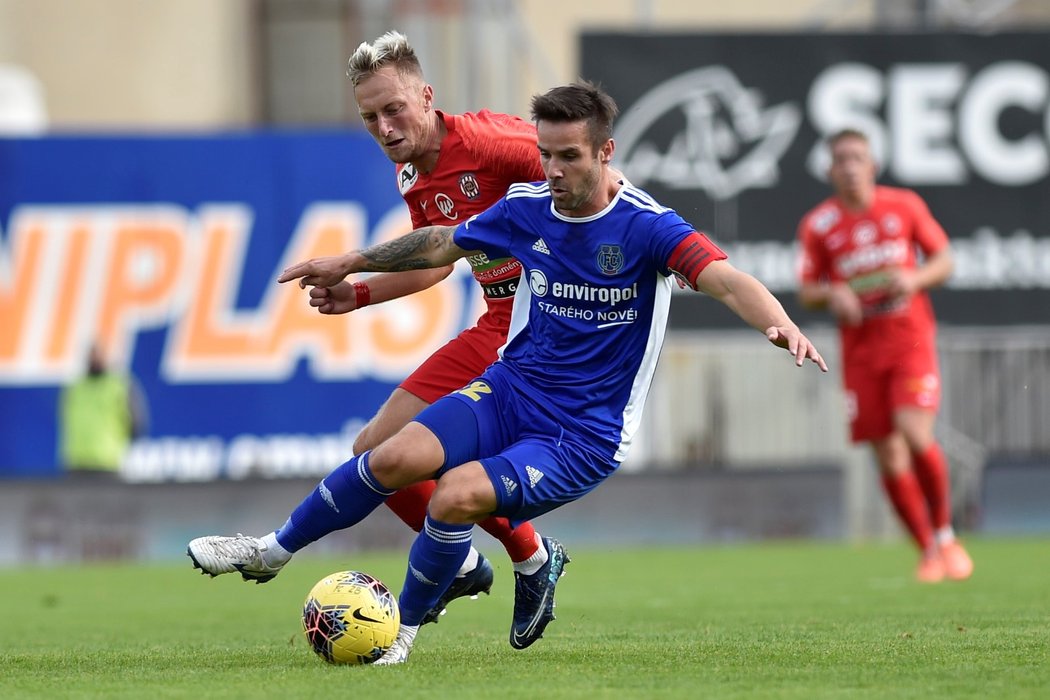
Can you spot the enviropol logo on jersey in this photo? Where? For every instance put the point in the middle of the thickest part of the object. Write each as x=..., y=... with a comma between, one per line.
x=720, y=118
x=580, y=291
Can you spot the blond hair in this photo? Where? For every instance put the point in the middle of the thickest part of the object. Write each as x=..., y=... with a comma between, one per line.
x=390, y=49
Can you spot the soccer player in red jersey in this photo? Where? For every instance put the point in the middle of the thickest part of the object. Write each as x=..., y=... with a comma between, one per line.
x=859, y=261
x=449, y=167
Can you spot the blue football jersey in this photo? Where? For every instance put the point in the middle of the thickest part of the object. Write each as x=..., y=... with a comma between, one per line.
x=589, y=317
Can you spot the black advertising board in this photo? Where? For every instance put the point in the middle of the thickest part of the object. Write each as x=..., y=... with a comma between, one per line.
x=728, y=130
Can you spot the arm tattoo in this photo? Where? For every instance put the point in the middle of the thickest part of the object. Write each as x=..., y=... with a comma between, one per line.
x=430, y=246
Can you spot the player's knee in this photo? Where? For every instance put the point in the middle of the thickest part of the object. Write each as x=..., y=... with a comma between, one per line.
x=391, y=465
x=405, y=459
x=460, y=500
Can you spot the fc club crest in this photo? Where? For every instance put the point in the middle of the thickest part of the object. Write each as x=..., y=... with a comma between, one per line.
x=468, y=185
x=610, y=259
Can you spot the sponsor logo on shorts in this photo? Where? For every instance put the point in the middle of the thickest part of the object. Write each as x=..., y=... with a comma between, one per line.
x=509, y=484
x=534, y=475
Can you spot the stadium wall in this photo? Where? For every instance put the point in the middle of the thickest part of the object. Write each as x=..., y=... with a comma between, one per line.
x=58, y=521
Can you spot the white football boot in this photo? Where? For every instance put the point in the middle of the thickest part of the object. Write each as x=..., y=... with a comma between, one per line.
x=400, y=649
x=215, y=555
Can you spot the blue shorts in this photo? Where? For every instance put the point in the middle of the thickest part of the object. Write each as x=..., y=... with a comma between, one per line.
x=534, y=464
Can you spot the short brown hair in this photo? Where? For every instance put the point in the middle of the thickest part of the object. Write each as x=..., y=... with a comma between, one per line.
x=579, y=101
x=847, y=133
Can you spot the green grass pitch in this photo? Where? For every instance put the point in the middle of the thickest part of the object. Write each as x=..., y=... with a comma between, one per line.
x=783, y=620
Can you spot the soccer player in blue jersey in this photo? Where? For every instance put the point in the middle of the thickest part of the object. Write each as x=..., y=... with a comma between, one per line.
x=556, y=414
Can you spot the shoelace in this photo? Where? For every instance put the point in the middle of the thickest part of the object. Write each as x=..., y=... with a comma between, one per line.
x=241, y=547
x=530, y=592
x=398, y=651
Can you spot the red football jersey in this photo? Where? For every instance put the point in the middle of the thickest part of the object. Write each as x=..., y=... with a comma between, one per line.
x=862, y=248
x=482, y=154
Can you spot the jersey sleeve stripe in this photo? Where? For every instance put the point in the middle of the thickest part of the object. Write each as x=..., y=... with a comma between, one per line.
x=525, y=189
x=640, y=199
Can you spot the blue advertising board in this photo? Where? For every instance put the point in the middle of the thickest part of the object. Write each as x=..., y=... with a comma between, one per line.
x=166, y=250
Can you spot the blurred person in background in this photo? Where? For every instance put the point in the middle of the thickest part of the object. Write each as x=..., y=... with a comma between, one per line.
x=100, y=413
x=449, y=167
x=859, y=260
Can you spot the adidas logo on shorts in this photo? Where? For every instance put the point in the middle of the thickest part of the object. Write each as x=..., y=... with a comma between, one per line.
x=534, y=475
x=509, y=484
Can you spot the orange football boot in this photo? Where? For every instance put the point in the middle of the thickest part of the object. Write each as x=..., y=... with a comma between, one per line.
x=957, y=563
x=931, y=569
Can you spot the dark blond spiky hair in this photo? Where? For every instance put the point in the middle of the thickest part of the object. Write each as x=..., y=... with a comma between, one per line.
x=390, y=49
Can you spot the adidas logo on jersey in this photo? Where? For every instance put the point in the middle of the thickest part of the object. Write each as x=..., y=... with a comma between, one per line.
x=534, y=475
x=508, y=484
x=540, y=247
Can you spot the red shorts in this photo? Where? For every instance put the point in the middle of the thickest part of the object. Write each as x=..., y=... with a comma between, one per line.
x=875, y=390
x=454, y=364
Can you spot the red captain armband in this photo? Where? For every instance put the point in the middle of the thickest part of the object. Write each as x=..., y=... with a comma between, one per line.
x=362, y=294
x=692, y=255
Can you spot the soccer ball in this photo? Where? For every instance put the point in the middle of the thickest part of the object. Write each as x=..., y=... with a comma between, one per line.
x=350, y=618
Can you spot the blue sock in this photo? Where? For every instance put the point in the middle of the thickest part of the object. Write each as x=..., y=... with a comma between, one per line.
x=436, y=555
x=343, y=498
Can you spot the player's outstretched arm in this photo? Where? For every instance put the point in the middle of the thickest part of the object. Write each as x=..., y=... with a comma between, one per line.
x=427, y=247
x=750, y=300
x=346, y=297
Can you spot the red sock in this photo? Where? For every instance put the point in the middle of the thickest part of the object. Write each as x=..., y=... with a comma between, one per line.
x=906, y=496
x=932, y=471
x=520, y=542
x=410, y=503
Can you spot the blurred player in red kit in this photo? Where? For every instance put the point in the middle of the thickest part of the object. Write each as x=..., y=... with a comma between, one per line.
x=859, y=261
x=449, y=167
